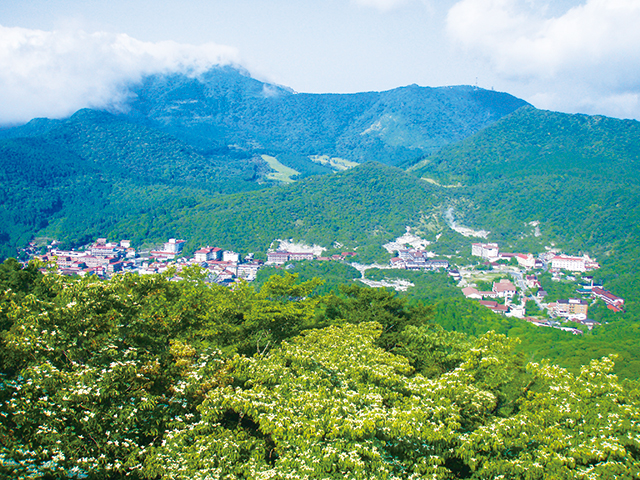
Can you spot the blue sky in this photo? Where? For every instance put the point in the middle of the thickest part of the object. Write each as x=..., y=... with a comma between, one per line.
x=566, y=55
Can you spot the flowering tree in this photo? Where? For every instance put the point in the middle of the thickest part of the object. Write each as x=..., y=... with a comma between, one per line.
x=330, y=404
x=145, y=377
x=93, y=371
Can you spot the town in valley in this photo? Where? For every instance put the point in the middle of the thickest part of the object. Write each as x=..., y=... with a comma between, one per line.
x=503, y=282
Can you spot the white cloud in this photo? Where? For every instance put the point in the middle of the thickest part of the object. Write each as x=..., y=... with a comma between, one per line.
x=382, y=5
x=594, y=46
x=53, y=74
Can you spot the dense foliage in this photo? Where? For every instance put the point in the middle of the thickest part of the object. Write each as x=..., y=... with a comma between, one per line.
x=182, y=163
x=357, y=208
x=153, y=378
x=226, y=107
x=187, y=137
x=538, y=179
x=574, y=174
x=84, y=173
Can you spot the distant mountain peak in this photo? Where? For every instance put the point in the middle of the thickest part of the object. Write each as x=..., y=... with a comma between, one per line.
x=225, y=106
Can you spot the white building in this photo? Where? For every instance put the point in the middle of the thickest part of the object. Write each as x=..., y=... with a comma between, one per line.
x=485, y=250
x=504, y=289
x=249, y=271
x=173, y=246
x=207, y=253
x=526, y=260
x=573, y=264
x=229, y=256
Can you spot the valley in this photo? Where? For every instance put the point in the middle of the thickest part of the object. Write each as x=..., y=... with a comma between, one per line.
x=248, y=282
x=216, y=162
x=549, y=289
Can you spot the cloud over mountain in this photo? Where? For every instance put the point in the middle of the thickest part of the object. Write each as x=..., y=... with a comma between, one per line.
x=55, y=73
x=593, y=47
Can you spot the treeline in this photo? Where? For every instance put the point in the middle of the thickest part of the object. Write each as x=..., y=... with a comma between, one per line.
x=576, y=177
x=358, y=208
x=618, y=334
x=147, y=377
x=77, y=178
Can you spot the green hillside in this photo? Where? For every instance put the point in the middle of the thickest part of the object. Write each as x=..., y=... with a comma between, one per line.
x=578, y=176
x=226, y=107
x=357, y=208
x=155, y=378
x=184, y=140
x=39, y=181
x=138, y=153
x=534, y=179
x=84, y=173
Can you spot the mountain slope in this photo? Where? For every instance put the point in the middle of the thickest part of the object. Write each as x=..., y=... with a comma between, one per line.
x=184, y=139
x=566, y=171
x=145, y=154
x=94, y=167
x=39, y=180
x=577, y=175
x=357, y=208
x=225, y=107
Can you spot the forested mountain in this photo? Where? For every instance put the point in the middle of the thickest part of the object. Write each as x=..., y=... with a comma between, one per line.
x=359, y=208
x=185, y=139
x=91, y=168
x=225, y=107
x=577, y=175
x=158, y=377
x=225, y=112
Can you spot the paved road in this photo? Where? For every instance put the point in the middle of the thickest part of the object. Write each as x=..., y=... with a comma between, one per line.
x=520, y=283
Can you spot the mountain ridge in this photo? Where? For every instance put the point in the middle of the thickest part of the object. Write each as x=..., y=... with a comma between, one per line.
x=131, y=152
x=224, y=103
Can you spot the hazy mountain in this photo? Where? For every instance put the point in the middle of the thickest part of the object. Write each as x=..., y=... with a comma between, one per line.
x=225, y=107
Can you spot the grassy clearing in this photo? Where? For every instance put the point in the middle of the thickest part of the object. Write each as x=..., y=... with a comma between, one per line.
x=282, y=172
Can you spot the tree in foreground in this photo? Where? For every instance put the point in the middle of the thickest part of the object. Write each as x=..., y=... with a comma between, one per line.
x=145, y=377
x=330, y=404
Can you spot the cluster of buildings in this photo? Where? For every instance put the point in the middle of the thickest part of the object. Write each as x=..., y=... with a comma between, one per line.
x=280, y=257
x=416, y=259
x=103, y=259
x=555, y=261
x=613, y=302
x=505, y=290
x=501, y=289
x=573, y=309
